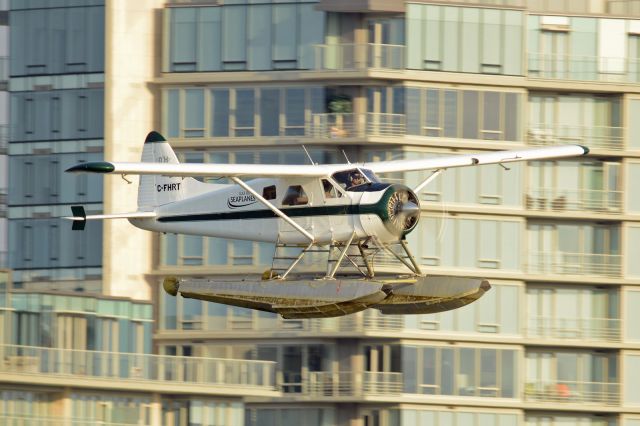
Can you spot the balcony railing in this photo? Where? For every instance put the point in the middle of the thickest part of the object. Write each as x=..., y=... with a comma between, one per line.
x=4, y=138
x=351, y=125
x=341, y=383
x=382, y=383
x=3, y=202
x=558, y=200
x=326, y=383
x=602, y=137
x=599, y=329
x=585, y=68
x=563, y=263
x=573, y=392
x=18, y=359
x=359, y=57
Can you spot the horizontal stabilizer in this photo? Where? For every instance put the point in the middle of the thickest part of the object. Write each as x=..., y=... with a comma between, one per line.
x=80, y=217
x=78, y=212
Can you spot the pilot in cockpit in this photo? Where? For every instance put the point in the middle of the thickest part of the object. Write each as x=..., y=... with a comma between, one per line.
x=356, y=178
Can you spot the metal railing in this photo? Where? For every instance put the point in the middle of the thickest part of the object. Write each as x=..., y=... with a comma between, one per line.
x=585, y=68
x=382, y=383
x=331, y=384
x=352, y=125
x=342, y=383
x=554, y=199
x=18, y=359
x=573, y=392
x=600, y=329
x=563, y=263
x=603, y=137
x=358, y=57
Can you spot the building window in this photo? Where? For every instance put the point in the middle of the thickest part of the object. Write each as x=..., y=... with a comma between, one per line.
x=468, y=114
x=464, y=39
x=238, y=37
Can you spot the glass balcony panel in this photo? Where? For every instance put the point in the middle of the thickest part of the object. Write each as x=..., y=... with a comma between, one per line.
x=600, y=329
x=572, y=392
x=598, y=137
x=587, y=200
x=583, y=68
x=564, y=263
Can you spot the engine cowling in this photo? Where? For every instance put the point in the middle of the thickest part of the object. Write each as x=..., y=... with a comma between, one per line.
x=402, y=210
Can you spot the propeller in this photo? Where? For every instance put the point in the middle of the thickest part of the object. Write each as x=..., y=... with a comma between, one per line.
x=403, y=208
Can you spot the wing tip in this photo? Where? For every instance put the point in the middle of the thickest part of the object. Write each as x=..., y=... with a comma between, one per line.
x=585, y=149
x=92, y=167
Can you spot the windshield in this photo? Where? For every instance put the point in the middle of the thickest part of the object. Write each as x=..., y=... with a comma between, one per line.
x=355, y=177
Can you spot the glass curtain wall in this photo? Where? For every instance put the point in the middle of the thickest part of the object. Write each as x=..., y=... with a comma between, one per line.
x=236, y=36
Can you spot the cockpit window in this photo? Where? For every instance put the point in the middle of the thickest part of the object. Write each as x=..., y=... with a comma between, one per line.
x=355, y=177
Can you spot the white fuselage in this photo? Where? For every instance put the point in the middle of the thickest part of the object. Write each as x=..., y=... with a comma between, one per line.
x=229, y=211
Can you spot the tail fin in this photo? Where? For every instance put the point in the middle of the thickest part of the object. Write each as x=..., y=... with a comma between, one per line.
x=156, y=190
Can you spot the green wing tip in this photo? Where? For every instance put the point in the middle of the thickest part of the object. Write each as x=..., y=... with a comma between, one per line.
x=586, y=149
x=92, y=167
x=154, y=136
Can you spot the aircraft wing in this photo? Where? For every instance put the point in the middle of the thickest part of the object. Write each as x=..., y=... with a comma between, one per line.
x=493, y=157
x=280, y=170
x=204, y=170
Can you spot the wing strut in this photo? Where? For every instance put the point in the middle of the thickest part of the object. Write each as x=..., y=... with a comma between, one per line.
x=273, y=208
x=425, y=182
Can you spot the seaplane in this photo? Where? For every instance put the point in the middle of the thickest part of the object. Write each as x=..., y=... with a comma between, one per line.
x=343, y=214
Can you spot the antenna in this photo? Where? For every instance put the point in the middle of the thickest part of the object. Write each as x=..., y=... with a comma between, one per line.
x=345, y=156
x=309, y=155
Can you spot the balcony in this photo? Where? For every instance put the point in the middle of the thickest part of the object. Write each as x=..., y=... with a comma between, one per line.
x=573, y=392
x=578, y=200
x=4, y=138
x=598, y=329
x=359, y=57
x=597, y=137
x=3, y=203
x=352, y=125
x=563, y=263
x=583, y=68
x=4, y=72
x=114, y=368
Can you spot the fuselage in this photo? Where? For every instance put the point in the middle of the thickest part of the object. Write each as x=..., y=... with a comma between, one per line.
x=322, y=207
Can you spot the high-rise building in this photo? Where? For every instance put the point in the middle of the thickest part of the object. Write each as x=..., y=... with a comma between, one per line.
x=4, y=120
x=554, y=342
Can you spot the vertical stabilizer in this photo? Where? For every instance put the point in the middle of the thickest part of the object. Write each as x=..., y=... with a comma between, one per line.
x=156, y=190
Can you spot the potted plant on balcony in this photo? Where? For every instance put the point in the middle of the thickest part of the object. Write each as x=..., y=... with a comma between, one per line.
x=338, y=106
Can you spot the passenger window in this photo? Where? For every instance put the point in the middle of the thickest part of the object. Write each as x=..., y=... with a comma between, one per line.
x=330, y=191
x=269, y=192
x=295, y=196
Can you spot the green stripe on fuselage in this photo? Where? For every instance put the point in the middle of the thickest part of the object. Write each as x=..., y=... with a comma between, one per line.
x=291, y=212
